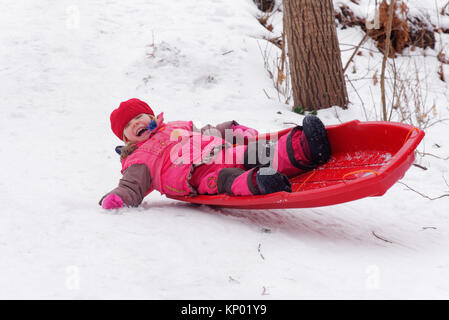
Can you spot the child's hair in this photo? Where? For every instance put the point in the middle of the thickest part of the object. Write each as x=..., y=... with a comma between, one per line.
x=129, y=148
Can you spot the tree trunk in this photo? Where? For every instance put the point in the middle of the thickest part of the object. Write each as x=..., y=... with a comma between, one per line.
x=315, y=61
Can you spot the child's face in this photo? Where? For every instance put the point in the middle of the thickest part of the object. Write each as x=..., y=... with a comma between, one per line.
x=137, y=129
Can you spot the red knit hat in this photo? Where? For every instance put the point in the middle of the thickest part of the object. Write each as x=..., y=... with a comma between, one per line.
x=125, y=113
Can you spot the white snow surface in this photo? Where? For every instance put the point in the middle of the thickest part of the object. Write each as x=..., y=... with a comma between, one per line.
x=65, y=65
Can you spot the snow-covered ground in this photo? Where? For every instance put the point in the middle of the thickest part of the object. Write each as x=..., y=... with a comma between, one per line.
x=65, y=65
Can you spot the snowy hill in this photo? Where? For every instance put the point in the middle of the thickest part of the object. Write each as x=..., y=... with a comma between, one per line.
x=64, y=66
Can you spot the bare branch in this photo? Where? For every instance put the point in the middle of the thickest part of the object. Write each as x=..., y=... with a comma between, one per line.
x=443, y=9
x=361, y=100
x=435, y=122
x=355, y=51
x=386, y=54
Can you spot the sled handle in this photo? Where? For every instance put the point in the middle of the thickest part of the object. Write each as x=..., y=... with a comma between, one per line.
x=357, y=171
x=410, y=133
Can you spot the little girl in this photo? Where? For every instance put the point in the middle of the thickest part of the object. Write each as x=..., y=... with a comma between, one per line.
x=176, y=158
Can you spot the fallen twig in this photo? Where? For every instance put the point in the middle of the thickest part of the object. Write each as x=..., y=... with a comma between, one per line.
x=422, y=194
x=264, y=292
x=266, y=94
x=420, y=166
x=231, y=279
x=432, y=155
x=445, y=181
x=380, y=238
x=261, y=255
x=291, y=123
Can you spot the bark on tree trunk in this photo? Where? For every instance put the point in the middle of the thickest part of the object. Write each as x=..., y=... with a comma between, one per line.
x=315, y=61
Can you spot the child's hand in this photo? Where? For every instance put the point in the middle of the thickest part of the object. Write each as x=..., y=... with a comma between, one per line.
x=112, y=201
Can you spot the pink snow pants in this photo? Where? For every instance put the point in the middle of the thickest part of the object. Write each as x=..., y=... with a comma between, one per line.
x=204, y=177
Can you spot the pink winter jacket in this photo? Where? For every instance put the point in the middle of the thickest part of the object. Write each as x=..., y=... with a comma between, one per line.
x=166, y=160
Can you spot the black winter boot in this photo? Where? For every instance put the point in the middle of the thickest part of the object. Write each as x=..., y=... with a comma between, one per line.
x=316, y=135
x=270, y=181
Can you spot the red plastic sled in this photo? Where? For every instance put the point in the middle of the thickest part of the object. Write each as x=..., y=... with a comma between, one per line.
x=367, y=159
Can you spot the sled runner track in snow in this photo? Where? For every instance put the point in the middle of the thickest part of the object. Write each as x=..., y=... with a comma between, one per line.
x=367, y=159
